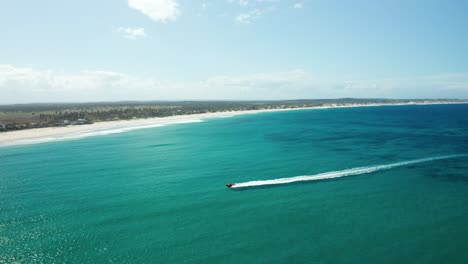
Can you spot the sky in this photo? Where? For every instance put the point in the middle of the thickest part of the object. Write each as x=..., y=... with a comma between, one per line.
x=116, y=50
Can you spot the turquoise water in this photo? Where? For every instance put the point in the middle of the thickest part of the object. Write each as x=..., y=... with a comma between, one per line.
x=158, y=196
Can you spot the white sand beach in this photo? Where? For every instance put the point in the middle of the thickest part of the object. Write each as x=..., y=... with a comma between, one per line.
x=40, y=135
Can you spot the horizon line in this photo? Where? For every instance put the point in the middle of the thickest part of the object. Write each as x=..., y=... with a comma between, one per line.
x=240, y=100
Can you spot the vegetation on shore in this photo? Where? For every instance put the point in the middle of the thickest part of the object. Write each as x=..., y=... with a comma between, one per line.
x=16, y=117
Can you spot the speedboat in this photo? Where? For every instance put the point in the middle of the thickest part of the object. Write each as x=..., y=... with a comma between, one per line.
x=229, y=185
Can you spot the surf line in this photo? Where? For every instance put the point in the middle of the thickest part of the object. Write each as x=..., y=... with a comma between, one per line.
x=338, y=174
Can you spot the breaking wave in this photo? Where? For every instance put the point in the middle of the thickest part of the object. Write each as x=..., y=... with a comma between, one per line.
x=342, y=173
x=97, y=132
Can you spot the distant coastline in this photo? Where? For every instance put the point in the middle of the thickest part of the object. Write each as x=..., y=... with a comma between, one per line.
x=57, y=133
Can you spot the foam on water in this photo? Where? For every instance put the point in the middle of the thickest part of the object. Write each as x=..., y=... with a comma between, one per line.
x=342, y=173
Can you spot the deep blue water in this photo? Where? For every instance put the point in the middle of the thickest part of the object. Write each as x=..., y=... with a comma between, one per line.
x=158, y=196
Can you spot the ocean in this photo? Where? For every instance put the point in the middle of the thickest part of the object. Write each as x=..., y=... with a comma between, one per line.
x=384, y=184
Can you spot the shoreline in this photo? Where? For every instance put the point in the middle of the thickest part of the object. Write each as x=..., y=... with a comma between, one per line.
x=49, y=134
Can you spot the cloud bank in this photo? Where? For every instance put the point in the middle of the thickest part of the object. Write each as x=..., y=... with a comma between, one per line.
x=27, y=85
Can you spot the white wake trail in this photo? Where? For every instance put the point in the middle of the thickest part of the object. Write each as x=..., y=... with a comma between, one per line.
x=342, y=173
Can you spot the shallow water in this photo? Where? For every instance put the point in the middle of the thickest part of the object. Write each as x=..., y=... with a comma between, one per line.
x=157, y=195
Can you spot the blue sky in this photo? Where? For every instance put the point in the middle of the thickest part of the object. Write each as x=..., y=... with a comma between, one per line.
x=53, y=51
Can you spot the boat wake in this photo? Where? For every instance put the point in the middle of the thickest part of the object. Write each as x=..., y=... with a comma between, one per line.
x=338, y=174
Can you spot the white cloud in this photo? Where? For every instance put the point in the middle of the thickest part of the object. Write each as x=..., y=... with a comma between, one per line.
x=243, y=2
x=453, y=85
x=256, y=9
x=204, y=5
x=26, y=84
x=239, y=2
x=297, y=6
x=248, y=17
x=290, y=84
x=22, y=85
x=158, y=10
x=132, y=33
